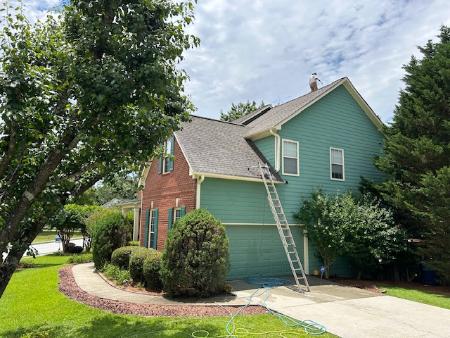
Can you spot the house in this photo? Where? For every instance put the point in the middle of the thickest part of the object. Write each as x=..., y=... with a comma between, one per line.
x=326, y=139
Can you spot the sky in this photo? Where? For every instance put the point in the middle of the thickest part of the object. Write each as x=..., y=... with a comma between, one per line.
x=265, y=50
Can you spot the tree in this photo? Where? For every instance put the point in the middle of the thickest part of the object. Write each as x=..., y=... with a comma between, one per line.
x=123, y=187
x=324, y=218
x=240, y=109
x=358, y=228
x=417, y=152
x=83, y=97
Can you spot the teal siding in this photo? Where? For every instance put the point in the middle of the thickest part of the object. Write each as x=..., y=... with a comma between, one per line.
x=266, y=146
x=334, y=121
x=257, y=251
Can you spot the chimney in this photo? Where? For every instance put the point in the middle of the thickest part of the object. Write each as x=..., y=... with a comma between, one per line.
x=313, y=82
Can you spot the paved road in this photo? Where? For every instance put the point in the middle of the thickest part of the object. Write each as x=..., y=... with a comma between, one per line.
x=51, y=247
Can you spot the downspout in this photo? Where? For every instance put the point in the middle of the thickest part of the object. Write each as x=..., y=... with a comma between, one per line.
x=277, y=149
x=200, y=179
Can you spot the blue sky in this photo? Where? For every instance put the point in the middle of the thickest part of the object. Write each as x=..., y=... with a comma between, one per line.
x=265, y=50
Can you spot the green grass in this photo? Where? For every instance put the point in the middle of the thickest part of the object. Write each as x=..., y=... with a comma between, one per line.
x=428, y=297
x=49, y=236
x=32, y=306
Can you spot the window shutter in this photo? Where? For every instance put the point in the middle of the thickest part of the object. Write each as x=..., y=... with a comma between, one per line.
x=155, y=230
x=170, y=218
x=160, y=164
x=146, y=227
x=183, y=211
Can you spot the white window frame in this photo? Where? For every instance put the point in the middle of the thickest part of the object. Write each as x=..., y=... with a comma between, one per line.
x=150, y=232
x=282, y=156
x=343, y=165
x=174, y=218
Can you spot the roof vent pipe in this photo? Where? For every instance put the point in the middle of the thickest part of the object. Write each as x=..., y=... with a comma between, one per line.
x=313, y=82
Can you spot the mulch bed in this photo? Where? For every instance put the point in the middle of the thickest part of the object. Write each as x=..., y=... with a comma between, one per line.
x=69, y=287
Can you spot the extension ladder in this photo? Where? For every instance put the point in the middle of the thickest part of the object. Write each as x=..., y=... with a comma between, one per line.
x=283, y=228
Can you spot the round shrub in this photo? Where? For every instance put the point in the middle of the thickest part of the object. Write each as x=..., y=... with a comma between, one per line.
x=195, y=261
x=151, y=271
x=110, y=231
x=138, y=255
x=121, y=256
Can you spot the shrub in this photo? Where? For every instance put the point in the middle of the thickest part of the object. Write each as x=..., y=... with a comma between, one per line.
x=137, y=263
x=359, y=228
x=134, y=243
x=109, y=231
x=151, y=271
x=121, y=256
x=116, y=274
x=195, y=261
x=78, y=259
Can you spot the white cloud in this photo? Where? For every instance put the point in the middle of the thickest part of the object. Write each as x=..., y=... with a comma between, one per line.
x=265, y=50
x=261, y=50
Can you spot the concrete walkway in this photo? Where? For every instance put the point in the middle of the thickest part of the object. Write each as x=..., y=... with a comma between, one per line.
x=344, y=311
x=93, y=283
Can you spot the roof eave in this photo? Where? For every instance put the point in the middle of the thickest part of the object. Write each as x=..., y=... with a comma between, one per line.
x=231, y=177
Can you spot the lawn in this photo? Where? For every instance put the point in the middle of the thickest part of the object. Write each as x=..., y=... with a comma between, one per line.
x=49, y=236
x=410, y=292
x=32, y=306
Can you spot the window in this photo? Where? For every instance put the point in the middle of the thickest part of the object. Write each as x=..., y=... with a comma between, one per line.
x=177, y=215
x=166, y=161
x=174, y=214
x=337, y=171
x=153, y=233
x=290, y=158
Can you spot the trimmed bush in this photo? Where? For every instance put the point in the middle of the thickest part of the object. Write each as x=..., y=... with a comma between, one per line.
x=195, y=261
x=137, y=263
x=116, y=274
x=151, y=271
x=110, y=230
x=78, y=259
x=121, y=256
x=134, y=243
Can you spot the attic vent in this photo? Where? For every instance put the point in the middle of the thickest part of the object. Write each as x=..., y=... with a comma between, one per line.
x=313, y=82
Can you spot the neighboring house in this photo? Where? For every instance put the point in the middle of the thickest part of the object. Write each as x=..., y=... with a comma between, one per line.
x=326, y=139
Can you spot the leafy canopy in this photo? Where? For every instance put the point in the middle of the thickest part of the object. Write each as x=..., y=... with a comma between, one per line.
x=240, y=109
x=83, y=96
x=417, y=153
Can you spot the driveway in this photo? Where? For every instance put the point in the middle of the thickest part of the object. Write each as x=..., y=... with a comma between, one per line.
x=351, y=312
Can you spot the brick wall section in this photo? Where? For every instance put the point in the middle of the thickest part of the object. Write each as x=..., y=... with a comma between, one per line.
x=163, y=189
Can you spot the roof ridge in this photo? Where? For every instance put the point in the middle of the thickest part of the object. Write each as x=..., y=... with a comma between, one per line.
x=298, y=97
x=216, y=120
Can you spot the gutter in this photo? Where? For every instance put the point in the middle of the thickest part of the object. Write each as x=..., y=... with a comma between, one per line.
x=277, y=148
x=200, y=179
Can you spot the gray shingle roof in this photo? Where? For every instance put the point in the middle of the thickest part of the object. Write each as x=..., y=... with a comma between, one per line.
x=283, y=111
x=252, y=115
x=217, y=147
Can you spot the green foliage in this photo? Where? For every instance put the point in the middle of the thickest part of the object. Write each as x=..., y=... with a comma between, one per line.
x=360, y=229
x=239, y=110
x=49, y=310
x=195, y=260
x=70, y=219
x=137, y=258
x=152, y=271
x=416, y=154
x=79, y=259
x=121, y=256
x=133, y=243
x=110, y=231
x=85, y=95
x=115, y=273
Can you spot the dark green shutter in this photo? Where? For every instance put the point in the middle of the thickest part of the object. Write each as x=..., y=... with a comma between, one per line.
x=146, y=227
x=170, y=218
x=155, y=230
x=160, y=164
x=183, y=211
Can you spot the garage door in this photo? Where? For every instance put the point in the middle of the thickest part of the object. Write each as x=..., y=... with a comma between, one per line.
x=256, y=250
